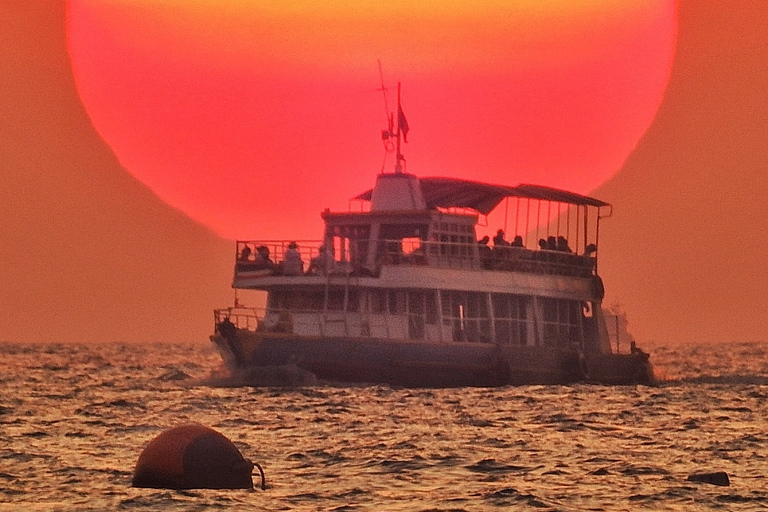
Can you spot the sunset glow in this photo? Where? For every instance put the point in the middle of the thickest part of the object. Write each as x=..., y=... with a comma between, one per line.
x=253, y=118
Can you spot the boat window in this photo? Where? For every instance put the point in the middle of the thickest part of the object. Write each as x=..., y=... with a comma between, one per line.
x=274, y=300
x=560, y=321
x=509, y=313
x=430, y=303
x=468, y=313
x=350, y=243
x=411, y=245
x=296, y=301
x=416, y=303
x=378, y=301
x=353, y=301
x=446, y=303
x=396, y=302
x=416, y=315
x=312, y=301
x=400, y=231
x=335, y=300
x=401, y=242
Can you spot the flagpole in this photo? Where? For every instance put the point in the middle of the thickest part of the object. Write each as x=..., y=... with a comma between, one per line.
x=399, y=157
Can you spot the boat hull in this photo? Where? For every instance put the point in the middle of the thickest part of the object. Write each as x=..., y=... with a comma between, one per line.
x=411, y=363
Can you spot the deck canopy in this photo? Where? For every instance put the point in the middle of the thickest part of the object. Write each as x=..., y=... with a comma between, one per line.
x=484, y=197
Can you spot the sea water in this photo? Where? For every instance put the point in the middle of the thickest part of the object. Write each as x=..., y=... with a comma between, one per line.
x=74, y=419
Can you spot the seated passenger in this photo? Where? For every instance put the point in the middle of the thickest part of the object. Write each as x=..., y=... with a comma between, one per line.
x=518, y=241
x=551, y=243
x=498, y=240
x=245, y=254
x=562, y=244
x=542, y=244
x=262, y=258
x=293, y=265
x=322, y=263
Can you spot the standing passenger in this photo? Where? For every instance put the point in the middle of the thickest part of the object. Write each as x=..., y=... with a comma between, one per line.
x=485, y=252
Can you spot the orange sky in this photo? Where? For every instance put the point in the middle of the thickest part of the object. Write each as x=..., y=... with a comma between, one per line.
x=91, y=254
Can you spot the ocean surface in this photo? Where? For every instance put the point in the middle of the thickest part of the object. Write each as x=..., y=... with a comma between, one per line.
x=74, y=419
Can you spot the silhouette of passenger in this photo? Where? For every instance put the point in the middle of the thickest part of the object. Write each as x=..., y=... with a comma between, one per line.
x=518, y=241
x=245, y=254
x=542, y=244
x=562, y=244
x=262, y=258
x=551, y=243
x=293, y=265
x=486, y=253
x=498, y=240
x=321, y=263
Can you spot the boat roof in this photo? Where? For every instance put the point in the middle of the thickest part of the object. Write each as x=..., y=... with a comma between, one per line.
x=484, y=197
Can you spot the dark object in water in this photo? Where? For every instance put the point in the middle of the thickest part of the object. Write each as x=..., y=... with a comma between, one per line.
x=193, y=457
x=716, y=478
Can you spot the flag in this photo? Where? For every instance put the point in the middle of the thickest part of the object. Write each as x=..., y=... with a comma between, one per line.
x=402, y=124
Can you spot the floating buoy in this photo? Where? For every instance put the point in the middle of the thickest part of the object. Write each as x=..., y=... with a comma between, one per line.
x=716, y=478
x=193, y=457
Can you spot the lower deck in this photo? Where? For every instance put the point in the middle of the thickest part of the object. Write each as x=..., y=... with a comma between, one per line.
x=433, y=316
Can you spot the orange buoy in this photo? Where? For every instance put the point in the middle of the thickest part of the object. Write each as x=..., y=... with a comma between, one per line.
x=193, y=457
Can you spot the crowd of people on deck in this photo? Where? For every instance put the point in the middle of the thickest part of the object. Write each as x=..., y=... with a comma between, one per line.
x=503, y=253
x=551, y=243
x=292, y=264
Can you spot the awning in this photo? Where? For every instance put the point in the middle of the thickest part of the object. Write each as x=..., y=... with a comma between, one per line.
x=484, y=197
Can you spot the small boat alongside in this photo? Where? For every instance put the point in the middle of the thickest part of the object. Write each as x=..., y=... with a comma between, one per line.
x=405, y=291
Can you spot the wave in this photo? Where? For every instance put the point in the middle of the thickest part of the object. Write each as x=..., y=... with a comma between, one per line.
x=735, y=379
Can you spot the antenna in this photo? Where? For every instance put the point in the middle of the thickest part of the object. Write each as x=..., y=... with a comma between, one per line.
x=383, y=90
x=386, y=135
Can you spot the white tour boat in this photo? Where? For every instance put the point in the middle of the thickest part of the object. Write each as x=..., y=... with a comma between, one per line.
x=402, y=292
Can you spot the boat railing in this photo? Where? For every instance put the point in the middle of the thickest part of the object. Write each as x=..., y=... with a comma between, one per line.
x=353, y=257
x=242, y=317
x=318, y=322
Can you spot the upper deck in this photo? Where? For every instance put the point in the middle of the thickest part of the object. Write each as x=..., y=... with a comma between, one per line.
x=434, y=223
x=398, y=252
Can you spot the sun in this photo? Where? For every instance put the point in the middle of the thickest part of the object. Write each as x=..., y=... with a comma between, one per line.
x=253, y=118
